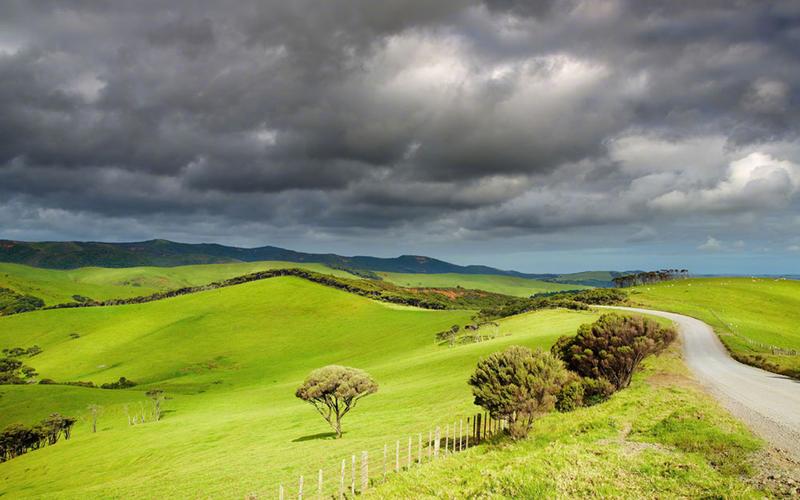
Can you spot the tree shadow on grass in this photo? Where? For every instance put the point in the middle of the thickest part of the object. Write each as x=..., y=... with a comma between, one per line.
x=311, y=437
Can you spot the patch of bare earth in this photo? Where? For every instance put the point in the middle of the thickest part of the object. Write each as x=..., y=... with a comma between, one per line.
x=663, y=379
x=630, y=447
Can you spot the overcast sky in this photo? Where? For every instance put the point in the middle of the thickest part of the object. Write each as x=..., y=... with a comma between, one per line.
x=543, y=136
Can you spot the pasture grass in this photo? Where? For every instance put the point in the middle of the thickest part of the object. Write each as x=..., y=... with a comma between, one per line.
x=748, y=314
x=230, y=360
x=507, y=285
x=56, y=286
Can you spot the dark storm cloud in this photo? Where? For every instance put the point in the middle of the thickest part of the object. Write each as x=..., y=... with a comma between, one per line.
x=413, y=118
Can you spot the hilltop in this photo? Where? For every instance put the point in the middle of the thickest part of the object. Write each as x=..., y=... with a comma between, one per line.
x=165, y=253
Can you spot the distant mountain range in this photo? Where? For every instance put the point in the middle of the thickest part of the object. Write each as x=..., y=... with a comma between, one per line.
x=164, y=253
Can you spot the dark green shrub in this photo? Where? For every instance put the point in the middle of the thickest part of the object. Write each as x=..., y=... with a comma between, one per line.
x=596, y=390
x=612, y=347
x=570, y=397
x=79, y=383
x=518, y=385
x=122, y=383
x=601, y=296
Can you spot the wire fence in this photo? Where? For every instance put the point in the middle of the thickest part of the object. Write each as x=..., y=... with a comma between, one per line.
x=760, y=345
x=356, y=473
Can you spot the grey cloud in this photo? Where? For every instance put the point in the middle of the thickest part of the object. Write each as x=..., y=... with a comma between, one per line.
x=401, y=118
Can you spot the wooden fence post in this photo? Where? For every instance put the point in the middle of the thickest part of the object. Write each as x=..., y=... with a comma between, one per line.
x=319, y=485
x=454, y=436
x=300, y=491
x=409, y=452
x=419, y=451
x=397, y=456
x=280, y=492
x=485, y=425
x=353, y=476
x=468, y=432
x=460, y=435
x=430, y=444
x=364, y=472
x=446, y=438
x=478, y=420
x=436, y=441
x=341, y=479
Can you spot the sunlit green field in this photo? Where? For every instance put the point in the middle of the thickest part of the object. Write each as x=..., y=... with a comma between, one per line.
x=749, y=314
x=230, y=359
x=508, y=285
x=56, y=286
x=660, y=438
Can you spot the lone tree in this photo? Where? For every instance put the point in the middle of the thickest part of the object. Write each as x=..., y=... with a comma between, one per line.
x=518, y=384
x=612, y=347
x=334, y=390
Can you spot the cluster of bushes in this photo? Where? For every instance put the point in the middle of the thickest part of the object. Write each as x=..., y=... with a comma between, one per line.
x=577, y=300
x=12, y=302
x=122, y=383
x=14, y=371
x=18, y=352
x=519, y=384
x=17, y=439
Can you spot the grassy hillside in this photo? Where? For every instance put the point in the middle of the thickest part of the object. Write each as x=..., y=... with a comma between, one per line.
x=661, y=438
x=508, y=285
x=230, y=360
x=99, y=283
x=749, y=314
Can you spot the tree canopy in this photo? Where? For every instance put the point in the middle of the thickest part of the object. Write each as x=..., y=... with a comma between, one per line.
x=518, y=384
x=334, y=390
x=613, y=346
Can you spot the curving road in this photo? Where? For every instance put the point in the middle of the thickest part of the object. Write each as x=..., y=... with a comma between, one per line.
x=768, y=402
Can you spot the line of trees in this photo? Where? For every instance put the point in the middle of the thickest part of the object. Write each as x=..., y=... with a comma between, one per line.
x=574, y=300
x=18, y=439
x=648, y=277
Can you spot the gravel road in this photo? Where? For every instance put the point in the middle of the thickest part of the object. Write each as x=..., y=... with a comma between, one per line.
x=769, y=403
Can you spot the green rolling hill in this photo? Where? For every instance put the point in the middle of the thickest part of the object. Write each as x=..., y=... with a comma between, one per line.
x=230, y=360
x=751, y=315
x=56, y=286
